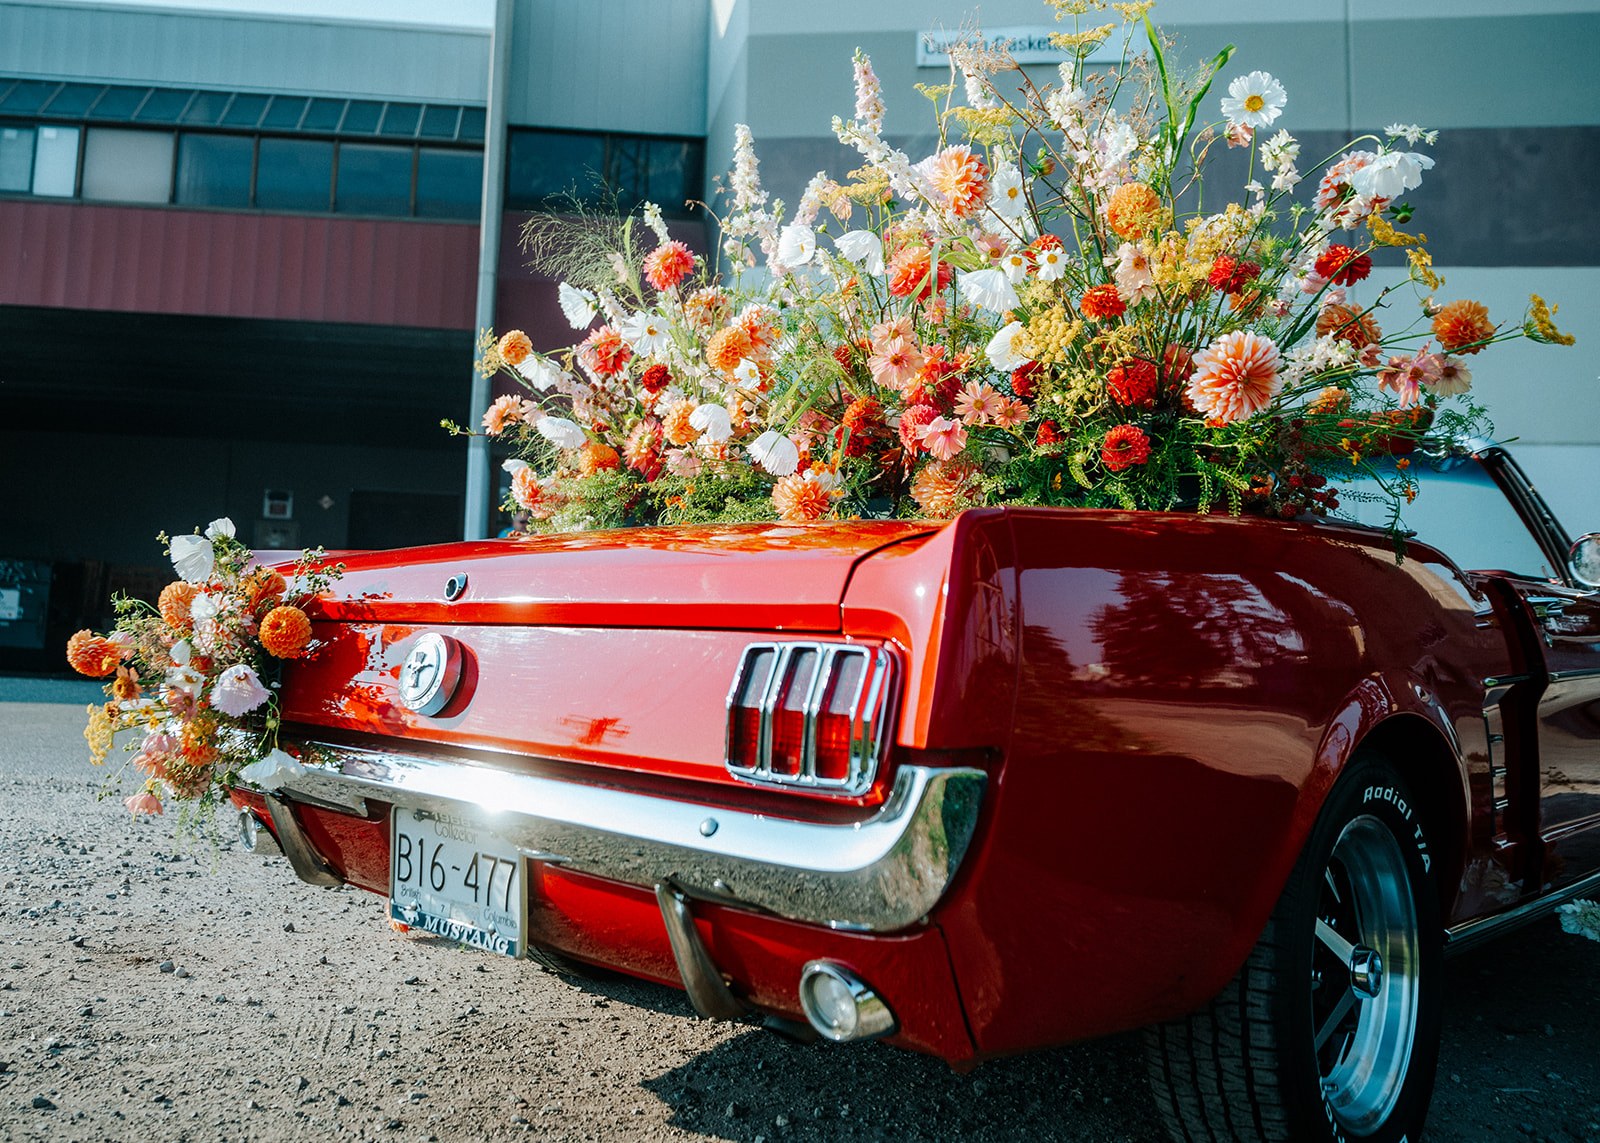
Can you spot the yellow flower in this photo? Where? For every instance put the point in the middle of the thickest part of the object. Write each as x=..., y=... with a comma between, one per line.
x=1133, y=13
x=1049, y=336
x=1540, y=328
x=1422, y=268
x=1386, y=235
x=102, y=725
x=1081, y=43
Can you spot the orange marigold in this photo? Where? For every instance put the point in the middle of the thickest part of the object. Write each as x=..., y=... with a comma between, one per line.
x=943, y=488
x=594, y=457
x=1347, y=324
x=92, y=655
x=175, y=601
x=727, y=348
x=1460, y=324
x=1133, y=210
x=515, y=347
x=799, y=499
x=285, y=631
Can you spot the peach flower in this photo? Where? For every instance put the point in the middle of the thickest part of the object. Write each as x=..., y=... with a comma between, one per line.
x=1235, y=377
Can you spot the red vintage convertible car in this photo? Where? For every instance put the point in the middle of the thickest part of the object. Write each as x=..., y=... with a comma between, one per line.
x=1026, y=777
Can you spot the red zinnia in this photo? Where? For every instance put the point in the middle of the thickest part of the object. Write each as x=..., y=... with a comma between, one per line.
x=1048, y=433
x=1101, y=303
x=1022, y=378
x=1124, y=446
x=655, y=379
x=1229, y=275
x=1343, y=266
x=1133, y=383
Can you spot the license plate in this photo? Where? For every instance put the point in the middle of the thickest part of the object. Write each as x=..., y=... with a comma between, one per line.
x=451, y=876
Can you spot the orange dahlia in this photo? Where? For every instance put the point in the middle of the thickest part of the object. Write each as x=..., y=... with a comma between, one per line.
x=727, y=348
x=285, y=631
x=595, y=457
x=1460, y=324
x=1347, y=324
x=675, y=425
x=1123, y=447
x=514, y=347
x=909, y=274
x=643, y=450
x=760, y=325
x=655, y=379
x=798, y=499
x=943, y=488
x=1101, y=303
x=1133, y=210
x=1343, y=266
x=263, y=585
x=175, y=601
x=505, y=412
x=961, y=178
x=668, y=264
x=605, y=352
x=532, y=495
x=92, y=655
x=1235, y=377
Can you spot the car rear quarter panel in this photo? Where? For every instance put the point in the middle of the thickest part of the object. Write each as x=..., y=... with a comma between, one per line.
x=1187, y=689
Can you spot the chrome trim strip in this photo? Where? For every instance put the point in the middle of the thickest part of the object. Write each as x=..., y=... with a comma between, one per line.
x=1568, y=676
x=1471, y=934
x=877, y=875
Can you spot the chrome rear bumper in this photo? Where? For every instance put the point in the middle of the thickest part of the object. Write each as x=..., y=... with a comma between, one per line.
x=876, y=875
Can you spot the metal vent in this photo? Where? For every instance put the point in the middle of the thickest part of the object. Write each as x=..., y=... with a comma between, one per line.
x=810, y=715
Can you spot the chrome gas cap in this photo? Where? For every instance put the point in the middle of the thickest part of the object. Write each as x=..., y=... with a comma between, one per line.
x=430, y=673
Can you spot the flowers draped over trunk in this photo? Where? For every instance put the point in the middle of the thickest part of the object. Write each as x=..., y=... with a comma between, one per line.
x=1046, y=308
x=198, y=671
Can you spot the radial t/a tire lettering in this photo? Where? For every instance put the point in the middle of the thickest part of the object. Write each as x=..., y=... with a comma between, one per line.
x=1330, y=1031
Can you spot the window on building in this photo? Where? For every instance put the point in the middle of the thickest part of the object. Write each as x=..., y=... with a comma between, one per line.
x=214, y=170
x=127, y=166
x=373, y=179
x=294, y=174
x=16, y=159
x=449, y=183
x=55, y=161
x=553, y=170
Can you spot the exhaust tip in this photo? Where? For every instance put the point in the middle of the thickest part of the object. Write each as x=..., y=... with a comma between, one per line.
x=842, y=1006
x=255, y=836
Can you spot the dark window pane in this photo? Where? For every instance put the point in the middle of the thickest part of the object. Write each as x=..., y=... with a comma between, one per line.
x=547, y=169
x=449, y=183
x=29, y=95
x=16, y=158
x=373, y=179
x=285, y=112
x=323, y=115
x=74, y=99
x=675, y=175
x=245, y=111
x=119, y=102
x=214, y=170
x=472, y=124
x=164, y=105
x=362, y=118
x=294, y=174
x=207, y=107
x=440, y=122
x=401, y=119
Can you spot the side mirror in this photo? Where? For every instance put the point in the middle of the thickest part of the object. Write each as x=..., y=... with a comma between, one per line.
x=1584, y=560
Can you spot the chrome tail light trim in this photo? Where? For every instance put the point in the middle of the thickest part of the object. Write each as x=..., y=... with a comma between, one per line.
x=868, y=710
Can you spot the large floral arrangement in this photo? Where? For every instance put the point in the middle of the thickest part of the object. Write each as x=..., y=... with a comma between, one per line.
x=196, y=674
x=1052, y=308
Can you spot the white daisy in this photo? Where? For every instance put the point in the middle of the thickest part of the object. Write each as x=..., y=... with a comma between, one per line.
x=646, y=333
x=1006, y=195
x=1388, y=175
x=540, y=372
x=1254, y=100
x=989, y=289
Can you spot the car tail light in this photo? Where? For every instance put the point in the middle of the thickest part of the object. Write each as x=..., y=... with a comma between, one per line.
x=810, y=714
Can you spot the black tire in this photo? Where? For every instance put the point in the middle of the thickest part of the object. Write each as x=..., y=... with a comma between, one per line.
x=1249, y=1066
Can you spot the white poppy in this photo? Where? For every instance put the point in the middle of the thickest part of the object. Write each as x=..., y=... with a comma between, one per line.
x=1006, y=195
x=192, y=557
x=1389, y=175
x=577, y=305
x=713, y=421
x=1254, y=100
x=989, y=289
x=540, y=372
x=560, y=432
x=796, y=244
x=645, y=332
x=775, y=452
x=221, y=526
x=513, y=465
x=1002, y=350
x=272, y=771
x=864, y=247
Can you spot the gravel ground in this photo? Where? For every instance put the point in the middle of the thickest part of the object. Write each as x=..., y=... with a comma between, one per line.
x=157, y=989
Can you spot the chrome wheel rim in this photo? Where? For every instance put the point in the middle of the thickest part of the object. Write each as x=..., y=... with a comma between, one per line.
x=1364, y=976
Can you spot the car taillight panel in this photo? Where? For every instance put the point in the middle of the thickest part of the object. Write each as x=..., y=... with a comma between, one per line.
x=810, y=715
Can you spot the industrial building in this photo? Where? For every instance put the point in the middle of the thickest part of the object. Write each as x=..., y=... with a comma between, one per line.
x=240, y=254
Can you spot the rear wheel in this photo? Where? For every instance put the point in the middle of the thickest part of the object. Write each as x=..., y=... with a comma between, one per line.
x=1330, y=1031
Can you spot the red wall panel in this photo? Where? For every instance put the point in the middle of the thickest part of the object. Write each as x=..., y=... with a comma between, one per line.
x=152, y=260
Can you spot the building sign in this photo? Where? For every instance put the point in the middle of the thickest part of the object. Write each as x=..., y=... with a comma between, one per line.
x=1027, y=45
